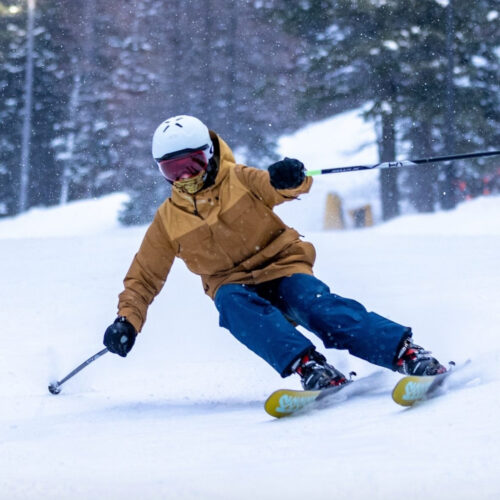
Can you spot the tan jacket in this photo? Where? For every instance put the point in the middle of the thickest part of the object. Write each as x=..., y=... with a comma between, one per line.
x=226, y=233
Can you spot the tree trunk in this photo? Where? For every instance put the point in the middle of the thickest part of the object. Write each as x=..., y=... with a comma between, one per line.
x=389, y=191
x=447, y=174
x=423, y=178
x=69, y=163
x=28, y=98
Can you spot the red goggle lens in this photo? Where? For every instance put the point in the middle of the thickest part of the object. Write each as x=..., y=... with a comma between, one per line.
x=184, y=166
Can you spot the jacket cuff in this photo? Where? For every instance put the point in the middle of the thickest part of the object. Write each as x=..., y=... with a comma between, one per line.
x=296, y=191
x=134, y=319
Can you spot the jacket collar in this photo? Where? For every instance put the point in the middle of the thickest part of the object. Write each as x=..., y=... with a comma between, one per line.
x=225, y=160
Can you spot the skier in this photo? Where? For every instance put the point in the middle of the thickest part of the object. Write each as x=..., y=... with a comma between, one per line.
x=219, y=220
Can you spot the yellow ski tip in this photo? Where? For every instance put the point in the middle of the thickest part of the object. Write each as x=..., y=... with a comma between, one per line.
x=284, y=402
x=411, y=389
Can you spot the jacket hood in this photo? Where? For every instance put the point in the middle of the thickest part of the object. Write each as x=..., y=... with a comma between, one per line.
x=222, y=151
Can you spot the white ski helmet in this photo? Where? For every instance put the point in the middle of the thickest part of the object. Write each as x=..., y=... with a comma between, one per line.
x=179, y=134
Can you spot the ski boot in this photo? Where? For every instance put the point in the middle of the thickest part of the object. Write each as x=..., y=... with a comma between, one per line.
x=315, y=373
x=415, y=360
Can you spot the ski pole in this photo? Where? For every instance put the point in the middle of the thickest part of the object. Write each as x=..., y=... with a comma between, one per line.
x=55, y=387
x=403, y=163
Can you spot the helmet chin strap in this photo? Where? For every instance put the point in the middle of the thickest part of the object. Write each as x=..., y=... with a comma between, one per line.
x=191, y=185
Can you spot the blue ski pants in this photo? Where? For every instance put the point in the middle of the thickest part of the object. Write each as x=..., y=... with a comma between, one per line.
x=261, y=316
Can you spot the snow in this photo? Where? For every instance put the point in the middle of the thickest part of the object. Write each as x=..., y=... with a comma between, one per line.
x=492, y=15
x=345, y=139
x=182, y=416
x=76, y=219
x=390, y=44
x=477, y=218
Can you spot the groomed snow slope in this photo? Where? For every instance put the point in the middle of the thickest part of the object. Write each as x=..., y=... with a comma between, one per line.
x=182, y=416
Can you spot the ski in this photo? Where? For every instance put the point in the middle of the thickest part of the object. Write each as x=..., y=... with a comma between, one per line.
x=412, y=388
x=286, y=402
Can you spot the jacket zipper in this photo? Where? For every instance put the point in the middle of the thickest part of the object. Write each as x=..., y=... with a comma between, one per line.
x=195, y=207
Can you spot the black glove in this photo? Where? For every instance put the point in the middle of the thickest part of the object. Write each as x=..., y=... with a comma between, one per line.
x=119, y=337
x=287, y=173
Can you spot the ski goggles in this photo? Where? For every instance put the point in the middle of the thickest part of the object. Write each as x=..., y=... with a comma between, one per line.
x=184, y=165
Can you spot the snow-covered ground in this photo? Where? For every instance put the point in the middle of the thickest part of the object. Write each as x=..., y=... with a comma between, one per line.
x=342, y=140
x=182, y=417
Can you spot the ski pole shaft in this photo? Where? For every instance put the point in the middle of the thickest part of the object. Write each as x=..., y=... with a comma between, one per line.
x=55, y=387
x=403, y=163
